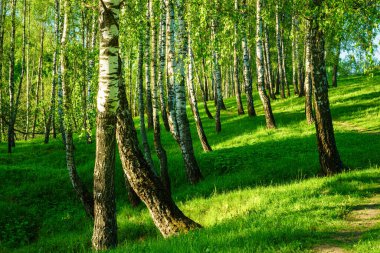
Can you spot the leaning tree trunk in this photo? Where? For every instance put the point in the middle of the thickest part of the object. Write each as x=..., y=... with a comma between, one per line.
x=186, y=143
x=78, y=186
x=329, y=157
x=236, y=65
x=167, y=217
x=54, y=77
x=308, y=81
x=194, y=104
x=247, y=67
x=161, y=153
x=105, y=224
x=269, y=118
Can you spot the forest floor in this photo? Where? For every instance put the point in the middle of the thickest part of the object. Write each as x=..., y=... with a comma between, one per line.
x=261, y=190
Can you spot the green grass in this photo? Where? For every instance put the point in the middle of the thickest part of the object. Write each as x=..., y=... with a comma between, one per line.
x=261, y=191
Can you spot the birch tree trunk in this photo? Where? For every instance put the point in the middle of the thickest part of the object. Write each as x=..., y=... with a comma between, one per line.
x=295, y=53
x=236, y=64
x=286, y=83
x=144, y=138
x=268, y=63
x=308, y=81
x=78, y=186
x=216, y=76
x=329, y=157
x=193, y=102
x=161, y=153
x=12, y=77
x=105, y=224
x=3, y=11
x=279, y=55
x=269, y=118
x=54, y=77
x=186, y=143
x=247, y=68
x=149, y=107
x=161, y=70
x=203, y=91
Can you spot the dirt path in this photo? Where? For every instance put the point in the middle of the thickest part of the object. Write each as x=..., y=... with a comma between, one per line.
x=355, y=128
x=360, y=220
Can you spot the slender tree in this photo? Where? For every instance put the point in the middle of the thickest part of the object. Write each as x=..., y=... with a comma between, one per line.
x=78, y=185
x=308, y=82
x=236, y=62
x=246, y=63
x=148, y=89
x=329, y=157
x=193, y=101
x=270, y=122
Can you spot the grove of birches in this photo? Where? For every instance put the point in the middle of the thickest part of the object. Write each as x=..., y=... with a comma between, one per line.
x=89, y=71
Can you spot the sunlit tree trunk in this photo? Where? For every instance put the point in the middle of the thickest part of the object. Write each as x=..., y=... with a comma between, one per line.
x=329, y=157
x=167, y=217
x=105, y=225
x=269, y=118
x=185, y=141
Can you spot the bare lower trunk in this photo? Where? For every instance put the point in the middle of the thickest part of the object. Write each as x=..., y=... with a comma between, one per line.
x=194, y=104
x=270, y=122
x=236, y=65
x=161, y=153
x=308, y=81
x=144, y=138
x=78, y=186
x=246, y=63
x=329, y=157
x=54, y=77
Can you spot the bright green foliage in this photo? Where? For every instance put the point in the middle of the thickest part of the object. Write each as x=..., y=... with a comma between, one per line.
x=261, y=192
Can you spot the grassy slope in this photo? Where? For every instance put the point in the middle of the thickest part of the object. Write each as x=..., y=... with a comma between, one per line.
x=260, y=191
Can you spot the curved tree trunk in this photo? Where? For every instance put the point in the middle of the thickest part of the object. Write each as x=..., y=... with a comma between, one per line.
x=269, y=118
x=329, y=157
x=194, y=104
x=167, y=217
x=78, y=186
